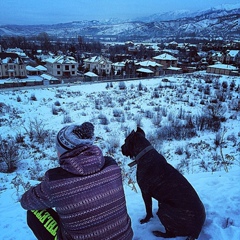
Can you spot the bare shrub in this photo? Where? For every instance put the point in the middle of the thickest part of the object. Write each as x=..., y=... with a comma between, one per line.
x=33, y=97
x=113, y=145
x=233, y=139
x=103, y=119
x=36, y=130
x=98, y=104
x=235, y=104
x=155, y=94
x=19, y=99
x=140, y=87
x=20, y=185
x=138, y=119
x=119, y=115
x=216, y=111
x=183, y=165
x=157, y=119
x=66, y=118
x=122, y=86
x=149, y=114
x=117, y=112
x=218, y=139
x=9, y=153
x=179, y=150
x=57, y=103
x=19, y=138
x=54, y=110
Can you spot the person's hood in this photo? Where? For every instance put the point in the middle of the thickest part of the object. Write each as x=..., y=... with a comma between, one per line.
x=83, y=160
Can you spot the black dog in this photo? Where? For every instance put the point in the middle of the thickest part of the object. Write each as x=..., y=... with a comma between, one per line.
x=180, y=209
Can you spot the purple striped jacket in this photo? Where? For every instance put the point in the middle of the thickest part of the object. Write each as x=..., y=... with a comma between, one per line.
x=87, y=193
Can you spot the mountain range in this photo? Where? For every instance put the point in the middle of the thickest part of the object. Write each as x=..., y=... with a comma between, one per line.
x=219, y=22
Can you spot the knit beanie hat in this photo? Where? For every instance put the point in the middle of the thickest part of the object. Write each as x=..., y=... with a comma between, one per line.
x=71, y=136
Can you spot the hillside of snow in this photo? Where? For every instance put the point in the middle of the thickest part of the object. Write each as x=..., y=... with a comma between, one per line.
x=178, y=114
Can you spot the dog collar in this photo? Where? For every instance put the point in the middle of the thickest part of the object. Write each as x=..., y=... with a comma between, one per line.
x=141, y=154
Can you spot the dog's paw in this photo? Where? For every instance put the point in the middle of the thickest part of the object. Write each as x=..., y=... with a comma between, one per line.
x=145, y=220
x=158, y=234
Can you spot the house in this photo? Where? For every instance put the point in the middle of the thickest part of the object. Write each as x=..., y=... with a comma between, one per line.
x=173, y=70
x=32, y=70
x=145, y=72
x=12, y=66
x=166, y=60
x=61, y=66
x=217, y=56
x=41, y=69
x=233, y=56
x=98, y=64
x=48, y=79
x=224, y=69
x=90, y=76
x=155, y=68
x=118, y=67
x=20, y=53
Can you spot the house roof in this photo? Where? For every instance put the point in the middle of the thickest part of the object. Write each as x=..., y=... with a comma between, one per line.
x=149, y=64
x=97, y=59
x=48, y=77
x=41, y=68
x=233, y=53
x=31, y=69
x=90, y=74
x=144, y=70
x=61, y=60
x=223, y=66
x=174, y=68
x=118, y=64
x=10, y=58
x=165, y=56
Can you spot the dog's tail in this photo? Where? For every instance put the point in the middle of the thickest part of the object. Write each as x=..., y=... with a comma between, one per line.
x=133, y=163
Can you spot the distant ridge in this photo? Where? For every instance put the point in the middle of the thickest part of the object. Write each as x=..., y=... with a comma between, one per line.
x=218, y=22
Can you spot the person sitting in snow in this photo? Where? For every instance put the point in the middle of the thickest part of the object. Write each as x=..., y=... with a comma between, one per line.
x=86, y=192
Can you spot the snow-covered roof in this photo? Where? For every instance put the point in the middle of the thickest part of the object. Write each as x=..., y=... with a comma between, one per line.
x=31, y=69
x=149, y=64
x=233, y=53
x=165, y=56
x=118, y=64
x=223, y=66
x=90, y=74
x=41, y=68
x=61, y=60
x=144, y=70
x=174, y=68
x=48, y=77
x=97, y=59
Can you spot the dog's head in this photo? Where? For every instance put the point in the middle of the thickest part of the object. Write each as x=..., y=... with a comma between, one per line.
x=131, y=146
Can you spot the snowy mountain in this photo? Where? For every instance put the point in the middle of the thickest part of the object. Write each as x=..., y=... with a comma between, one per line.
x=222, y=21
x=184, y=13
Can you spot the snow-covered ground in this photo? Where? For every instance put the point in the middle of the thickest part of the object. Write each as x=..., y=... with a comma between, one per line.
x=114, y=113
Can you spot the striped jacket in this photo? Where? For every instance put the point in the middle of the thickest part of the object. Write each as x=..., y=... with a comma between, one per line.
x=87, y=193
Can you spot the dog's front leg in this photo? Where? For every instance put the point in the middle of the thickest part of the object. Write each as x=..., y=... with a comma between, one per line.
x=148, y=205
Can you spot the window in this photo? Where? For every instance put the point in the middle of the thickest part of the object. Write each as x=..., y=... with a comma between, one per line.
x=58, y=72
x=73, y=66
x=73, y=72
x=66, y=67
x=58, y=66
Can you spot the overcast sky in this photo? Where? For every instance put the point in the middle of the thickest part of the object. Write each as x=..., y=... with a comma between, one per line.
x=59, y=11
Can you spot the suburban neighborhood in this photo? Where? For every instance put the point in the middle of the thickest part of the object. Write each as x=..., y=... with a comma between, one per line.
x=114, y=61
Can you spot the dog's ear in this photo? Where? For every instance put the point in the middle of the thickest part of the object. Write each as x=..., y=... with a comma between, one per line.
x=139, y=130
